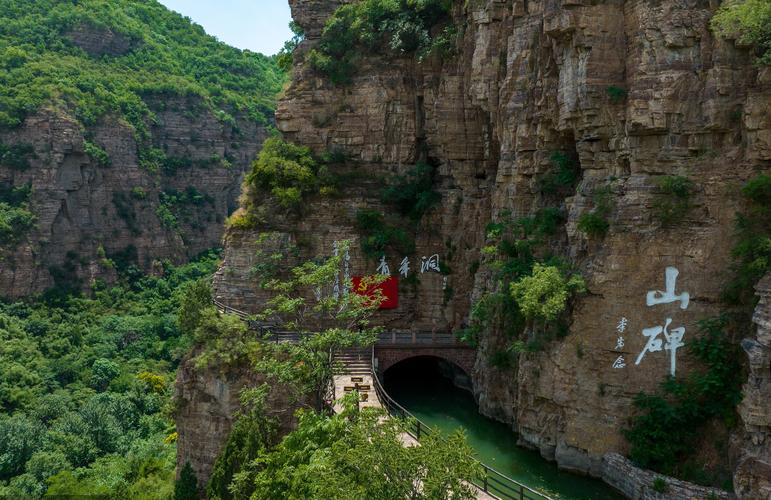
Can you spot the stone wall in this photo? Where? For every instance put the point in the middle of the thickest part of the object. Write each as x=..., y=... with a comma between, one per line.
x=640, y=484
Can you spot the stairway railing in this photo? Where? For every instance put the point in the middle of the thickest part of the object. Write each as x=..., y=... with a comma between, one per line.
x=492, y=482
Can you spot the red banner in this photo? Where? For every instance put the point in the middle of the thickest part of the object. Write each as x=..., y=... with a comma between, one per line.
x=389, y=288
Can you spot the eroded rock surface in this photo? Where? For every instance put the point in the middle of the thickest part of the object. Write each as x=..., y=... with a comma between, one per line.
x=87, y=211
x=635, y=90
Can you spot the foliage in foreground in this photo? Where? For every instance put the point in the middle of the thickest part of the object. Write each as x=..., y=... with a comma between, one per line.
x=748, y=22
x=664, y=436
x=355, y=454
x=84, y=389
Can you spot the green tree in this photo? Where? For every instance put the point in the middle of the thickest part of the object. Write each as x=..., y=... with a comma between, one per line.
x=544, y=294
x=186, y=487
x=103, y=371
x=325, y=325
x=359, y=454
x=748, y=22
x=251, y=437
x=196, y=298
x=285, y=170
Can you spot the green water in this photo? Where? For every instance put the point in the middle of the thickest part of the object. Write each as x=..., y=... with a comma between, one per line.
x=434, y=400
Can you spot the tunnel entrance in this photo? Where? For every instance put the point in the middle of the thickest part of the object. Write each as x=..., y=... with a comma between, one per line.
x=425, y=375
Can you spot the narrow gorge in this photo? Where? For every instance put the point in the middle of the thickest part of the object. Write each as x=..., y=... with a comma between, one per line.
x=612, y=136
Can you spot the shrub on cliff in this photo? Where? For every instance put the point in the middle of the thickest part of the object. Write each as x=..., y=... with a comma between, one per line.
x=288, y=172
x=664, y=435
x=752, y=251
x=748, y=22
x=392, y=27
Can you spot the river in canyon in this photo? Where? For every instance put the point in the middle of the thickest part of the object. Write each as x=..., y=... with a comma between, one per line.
x=419, y=385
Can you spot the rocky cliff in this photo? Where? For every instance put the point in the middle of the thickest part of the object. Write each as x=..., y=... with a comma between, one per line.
x=88, y=212
x=633, y=91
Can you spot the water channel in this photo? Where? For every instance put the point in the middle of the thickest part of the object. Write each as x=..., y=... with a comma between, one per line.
x=419, y=386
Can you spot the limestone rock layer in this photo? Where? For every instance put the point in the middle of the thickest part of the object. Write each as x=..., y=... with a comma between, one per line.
x=634, y=90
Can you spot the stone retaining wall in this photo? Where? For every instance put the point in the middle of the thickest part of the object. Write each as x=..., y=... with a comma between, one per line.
x=636, y=483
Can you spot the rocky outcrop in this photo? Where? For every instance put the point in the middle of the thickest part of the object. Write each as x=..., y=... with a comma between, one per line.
x=87, y=211
x=633, y=90
x=753, y=474
x=206, y=402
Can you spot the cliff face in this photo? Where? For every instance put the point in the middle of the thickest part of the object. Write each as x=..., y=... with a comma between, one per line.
x=634, y=90
x=86, y=211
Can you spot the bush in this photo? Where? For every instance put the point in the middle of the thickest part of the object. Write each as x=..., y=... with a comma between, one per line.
x=285, y=170
x=16, y=156
x=660, y=485
x=544, y=294
x=617, y=95
x=595, y=223
x=392, y=27
x=748, y=22
x=561, y=179
x=413, y=194
x=97, y=153
x=186, y=487
x=689, y=404
x=15, y=216
x=752, y=251
x=377, y=235
x=675, y=199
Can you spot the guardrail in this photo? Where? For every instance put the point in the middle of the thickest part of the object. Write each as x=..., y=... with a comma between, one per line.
x=391, y=338
x=492, y=482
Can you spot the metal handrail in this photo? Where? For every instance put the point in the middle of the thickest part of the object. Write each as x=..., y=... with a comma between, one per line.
x=493, y=483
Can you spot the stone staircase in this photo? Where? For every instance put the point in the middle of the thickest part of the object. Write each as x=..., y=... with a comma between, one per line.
x=356, y=374
x=355, y=361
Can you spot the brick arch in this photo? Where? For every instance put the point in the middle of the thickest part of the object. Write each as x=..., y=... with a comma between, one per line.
x=464, y=357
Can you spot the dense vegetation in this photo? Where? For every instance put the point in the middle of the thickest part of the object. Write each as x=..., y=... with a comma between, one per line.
x=147, y=52
x=85, y=388
x=533, y=287
x=749, y=23
x=394, y=28
x=353, y=454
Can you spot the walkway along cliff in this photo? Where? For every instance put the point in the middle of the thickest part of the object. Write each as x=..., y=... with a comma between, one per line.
x=623, y=96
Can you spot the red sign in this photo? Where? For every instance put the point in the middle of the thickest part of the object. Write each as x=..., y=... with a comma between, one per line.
x=389, y=288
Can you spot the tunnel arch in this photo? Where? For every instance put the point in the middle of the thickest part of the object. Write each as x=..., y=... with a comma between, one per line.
x=462, y=357
x=432, y=373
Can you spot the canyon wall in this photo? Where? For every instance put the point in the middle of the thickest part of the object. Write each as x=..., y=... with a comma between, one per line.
x=634, y=90
x=86, y=211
